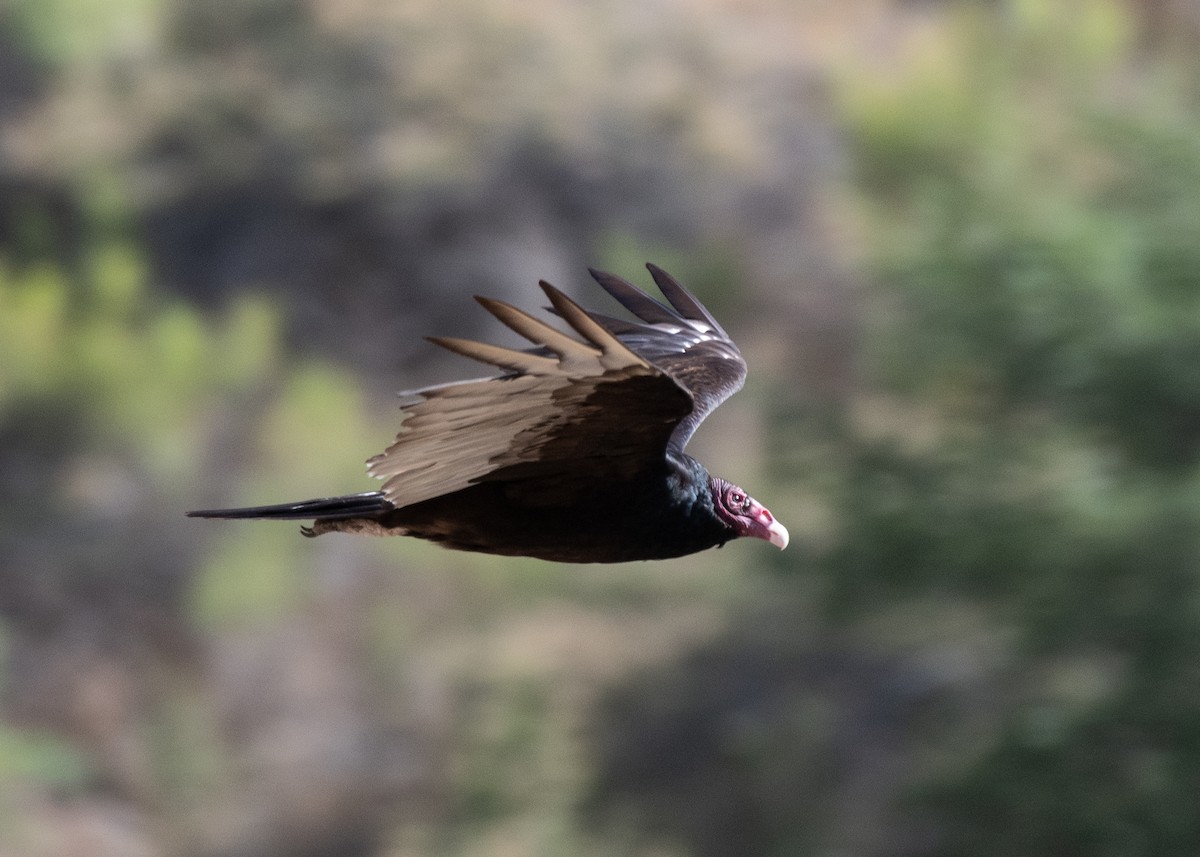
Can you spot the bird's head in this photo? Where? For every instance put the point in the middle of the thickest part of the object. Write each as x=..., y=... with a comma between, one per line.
x=747, y=516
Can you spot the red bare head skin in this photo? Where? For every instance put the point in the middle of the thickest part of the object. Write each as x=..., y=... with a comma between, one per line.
x=748, y=517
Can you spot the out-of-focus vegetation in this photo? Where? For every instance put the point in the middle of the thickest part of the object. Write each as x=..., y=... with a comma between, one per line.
x=1040, y=252
x=960, y=244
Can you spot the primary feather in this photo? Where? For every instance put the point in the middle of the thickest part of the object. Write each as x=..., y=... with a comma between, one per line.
x=574, y=452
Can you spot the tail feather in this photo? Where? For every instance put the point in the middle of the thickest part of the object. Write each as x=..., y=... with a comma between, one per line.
x=326, y=508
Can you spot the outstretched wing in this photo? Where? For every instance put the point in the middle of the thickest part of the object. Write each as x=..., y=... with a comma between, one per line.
x=683, y=340
x=567, y=414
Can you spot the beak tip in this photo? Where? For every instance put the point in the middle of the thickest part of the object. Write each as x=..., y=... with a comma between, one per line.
x=777, y=535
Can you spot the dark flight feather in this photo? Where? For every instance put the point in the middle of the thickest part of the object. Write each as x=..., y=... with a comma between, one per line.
x=684, y=341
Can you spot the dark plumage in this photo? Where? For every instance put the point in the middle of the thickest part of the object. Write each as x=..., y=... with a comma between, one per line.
x=574, y=453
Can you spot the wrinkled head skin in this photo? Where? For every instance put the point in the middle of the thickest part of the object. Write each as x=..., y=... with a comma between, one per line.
x=748, y=517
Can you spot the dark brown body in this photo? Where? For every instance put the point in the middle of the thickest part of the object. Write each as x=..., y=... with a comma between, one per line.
x=614, y=522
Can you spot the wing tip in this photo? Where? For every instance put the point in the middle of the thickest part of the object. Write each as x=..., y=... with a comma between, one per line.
x=682, y=299
x=488, y=303
x=556, y=295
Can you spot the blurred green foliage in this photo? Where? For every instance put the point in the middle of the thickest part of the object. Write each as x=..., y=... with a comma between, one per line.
x=27, y=756
x=139, y=373
x=74, y=31
x=1037, y=312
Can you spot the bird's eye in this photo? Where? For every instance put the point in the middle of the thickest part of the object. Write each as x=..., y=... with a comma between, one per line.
x=737, y=500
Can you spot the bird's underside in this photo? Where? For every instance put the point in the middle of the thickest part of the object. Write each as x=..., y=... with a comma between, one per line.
x=486, y=518
x=573, y=454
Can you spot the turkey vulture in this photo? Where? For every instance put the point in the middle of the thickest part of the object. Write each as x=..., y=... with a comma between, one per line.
x=574, y=453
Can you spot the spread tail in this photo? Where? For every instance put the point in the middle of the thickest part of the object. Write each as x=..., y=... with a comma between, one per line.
x=324, y=509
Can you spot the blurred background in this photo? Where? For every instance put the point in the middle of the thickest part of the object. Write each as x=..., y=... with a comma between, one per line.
x=959, y=243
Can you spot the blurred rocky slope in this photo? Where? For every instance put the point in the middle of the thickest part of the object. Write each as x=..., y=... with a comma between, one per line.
x=224, y=227
x=358, y=170
x=368, y=163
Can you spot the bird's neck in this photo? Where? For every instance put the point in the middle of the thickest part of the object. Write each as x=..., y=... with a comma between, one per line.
x=691, y=487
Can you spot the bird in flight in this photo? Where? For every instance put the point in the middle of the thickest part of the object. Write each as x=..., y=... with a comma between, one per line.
x=573, y=453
